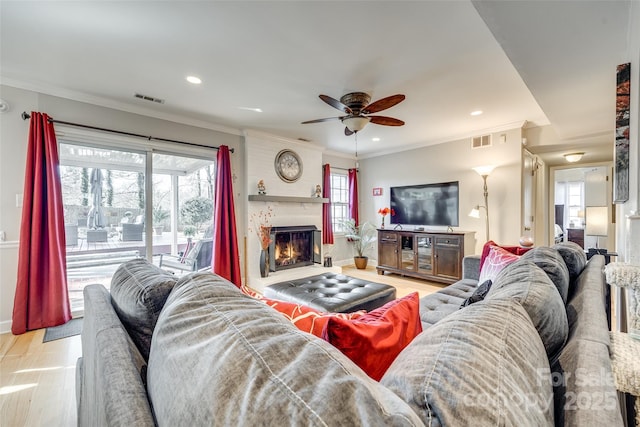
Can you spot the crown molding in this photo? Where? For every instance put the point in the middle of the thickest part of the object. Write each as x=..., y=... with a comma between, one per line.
x=252, y=133
x=117, y=105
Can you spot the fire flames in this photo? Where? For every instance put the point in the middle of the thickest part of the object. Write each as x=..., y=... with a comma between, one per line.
x=286, y=254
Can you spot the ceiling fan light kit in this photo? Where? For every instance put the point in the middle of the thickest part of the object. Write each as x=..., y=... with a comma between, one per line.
x=355, y=123
x=358, y=109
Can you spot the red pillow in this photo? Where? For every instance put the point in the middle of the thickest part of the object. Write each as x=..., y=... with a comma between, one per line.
x=516, y=250
x=497, y=259
x=373, y=340
x=308, y=319
x=304, y=318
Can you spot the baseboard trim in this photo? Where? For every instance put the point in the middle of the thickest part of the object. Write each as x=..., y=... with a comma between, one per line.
x=5, y=327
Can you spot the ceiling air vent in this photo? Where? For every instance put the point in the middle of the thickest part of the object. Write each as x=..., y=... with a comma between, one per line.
x=148, y=98
x=481, y=141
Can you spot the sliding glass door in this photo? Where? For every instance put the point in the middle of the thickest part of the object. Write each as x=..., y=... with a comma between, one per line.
x=106, y=206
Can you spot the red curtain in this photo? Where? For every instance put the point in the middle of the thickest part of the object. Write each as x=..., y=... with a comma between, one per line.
x=41, y=298
x=225, y=260
x=327, y=226
x=353, y=194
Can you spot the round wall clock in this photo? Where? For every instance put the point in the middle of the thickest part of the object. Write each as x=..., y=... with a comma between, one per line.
x=288, y=166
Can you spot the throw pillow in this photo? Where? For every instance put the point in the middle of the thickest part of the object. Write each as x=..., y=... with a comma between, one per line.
x=497, y=259
x=478, y=295
x=552, y=263
x=375, y=339
x=516, y=250
x=573, y=256
x=308, y=319
x=305, y=318
x=139, y=290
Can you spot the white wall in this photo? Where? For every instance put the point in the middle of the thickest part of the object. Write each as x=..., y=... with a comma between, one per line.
x=261, y=150
x=453, y=161
x=13, y=142
x=624, y=241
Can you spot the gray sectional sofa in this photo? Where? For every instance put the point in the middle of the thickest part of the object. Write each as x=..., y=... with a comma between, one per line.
x=196, y=351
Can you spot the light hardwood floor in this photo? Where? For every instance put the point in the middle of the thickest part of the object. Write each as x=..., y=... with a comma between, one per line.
x=37, y=380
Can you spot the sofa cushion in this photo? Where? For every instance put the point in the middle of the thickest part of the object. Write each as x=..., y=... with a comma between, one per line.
x=139, y=290
x=434, y=307
x=496, y=260
x=584, y=389
x=585, y=307
x=482, y=364
x=552, y=263
x=373, y=340
x=574, y=258
x=221, y=357
x=532, y=288
x=110, y=389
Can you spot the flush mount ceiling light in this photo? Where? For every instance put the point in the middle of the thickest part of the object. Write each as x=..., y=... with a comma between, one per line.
x=255, y=110
x=573, y=157
x=476, y=113
x=194, y=80
x=375, y=139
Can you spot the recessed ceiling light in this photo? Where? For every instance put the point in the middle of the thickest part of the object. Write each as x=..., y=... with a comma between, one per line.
x=194, y=80
x=255, y=110
x=375, y=139
x=476, y=113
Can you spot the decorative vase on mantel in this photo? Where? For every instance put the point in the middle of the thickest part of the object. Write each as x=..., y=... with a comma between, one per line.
x=264, y=263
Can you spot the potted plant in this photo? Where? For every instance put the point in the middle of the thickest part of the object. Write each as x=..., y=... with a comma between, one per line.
x=159, y=215
x=362, y=236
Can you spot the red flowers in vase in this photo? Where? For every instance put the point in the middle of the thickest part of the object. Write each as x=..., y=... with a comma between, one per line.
x=384, y=212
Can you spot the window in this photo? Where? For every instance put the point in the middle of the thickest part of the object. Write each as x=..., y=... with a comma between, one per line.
x=339, y=200
x=575, y=201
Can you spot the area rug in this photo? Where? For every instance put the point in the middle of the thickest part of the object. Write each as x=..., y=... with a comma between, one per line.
x=69, y=329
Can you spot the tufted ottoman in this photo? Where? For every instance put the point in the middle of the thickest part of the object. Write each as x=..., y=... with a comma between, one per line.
x=332, y=292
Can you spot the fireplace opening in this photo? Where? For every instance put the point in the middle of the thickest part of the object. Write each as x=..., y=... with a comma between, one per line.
x=293, y=247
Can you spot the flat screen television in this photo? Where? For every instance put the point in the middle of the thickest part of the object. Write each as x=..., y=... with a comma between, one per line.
x=426, y=204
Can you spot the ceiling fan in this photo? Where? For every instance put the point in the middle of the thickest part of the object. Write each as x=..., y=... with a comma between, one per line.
x=358, y=109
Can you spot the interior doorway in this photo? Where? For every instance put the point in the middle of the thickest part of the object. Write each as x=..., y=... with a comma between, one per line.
x=582, y=209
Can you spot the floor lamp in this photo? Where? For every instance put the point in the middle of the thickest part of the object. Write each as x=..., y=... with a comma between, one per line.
x=484, y=172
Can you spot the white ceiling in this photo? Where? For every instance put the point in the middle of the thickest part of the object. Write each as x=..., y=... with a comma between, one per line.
x=553, y=62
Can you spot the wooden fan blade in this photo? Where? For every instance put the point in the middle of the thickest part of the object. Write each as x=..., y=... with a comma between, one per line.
x=383, y=104
x=322, y=120
x=347, y=131
x=385, y=121
x=336, y=104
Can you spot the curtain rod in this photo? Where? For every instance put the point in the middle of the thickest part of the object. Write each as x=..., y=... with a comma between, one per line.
x=342, y=169
x=26, y=116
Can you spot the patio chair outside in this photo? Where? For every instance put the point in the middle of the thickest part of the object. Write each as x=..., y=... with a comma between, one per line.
x=131, y=232
x=198, y=258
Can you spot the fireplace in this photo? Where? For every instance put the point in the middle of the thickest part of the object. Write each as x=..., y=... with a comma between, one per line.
x=293, y=247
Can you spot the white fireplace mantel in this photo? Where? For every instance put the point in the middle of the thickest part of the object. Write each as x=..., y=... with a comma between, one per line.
x=287, y=199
